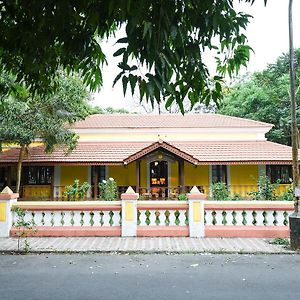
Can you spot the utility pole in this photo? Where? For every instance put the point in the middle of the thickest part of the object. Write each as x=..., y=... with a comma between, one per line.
x=295, y=217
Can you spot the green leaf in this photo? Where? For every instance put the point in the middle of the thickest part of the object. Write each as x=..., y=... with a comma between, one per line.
x=119, y=52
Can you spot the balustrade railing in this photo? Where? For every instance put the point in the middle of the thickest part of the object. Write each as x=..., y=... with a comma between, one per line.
x=247, y=213
x=69, y=214
x=157, y=213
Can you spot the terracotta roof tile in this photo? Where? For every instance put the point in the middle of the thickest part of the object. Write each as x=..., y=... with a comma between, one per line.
x=166, y=121
x=118, y=152
x=246, y=151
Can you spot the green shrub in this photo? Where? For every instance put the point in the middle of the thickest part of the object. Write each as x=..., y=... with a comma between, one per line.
x=287, y=195
x=266, y=189
x=236, y=197
x=76, y=191
x=220, y=191
x=280, y=241
x=24, y=228
x=182, y=197
x=108, y=189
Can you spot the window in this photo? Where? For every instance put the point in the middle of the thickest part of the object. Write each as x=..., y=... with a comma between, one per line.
x=101, y=173
x=280, y=172
x=38, y=175
x=219, y=173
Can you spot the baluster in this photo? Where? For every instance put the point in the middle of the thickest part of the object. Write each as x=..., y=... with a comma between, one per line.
x=259, y=218
x=172, y=218
x=181, y=218
x=152, y=217
x=56, y=218
x=219, y=217
x=280, y=217
x=77, y=218
x=208, y=217
x=116, y=218
x=143, y=217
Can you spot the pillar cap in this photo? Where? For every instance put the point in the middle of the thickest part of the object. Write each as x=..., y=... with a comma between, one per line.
x=8, y=194
x=7, y=191
x=195, y=194
x=130, y=194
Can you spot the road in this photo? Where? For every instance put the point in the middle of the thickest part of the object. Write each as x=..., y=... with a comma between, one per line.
x=157, y=276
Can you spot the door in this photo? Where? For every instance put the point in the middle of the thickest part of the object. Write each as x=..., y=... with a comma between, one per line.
x=159, y=179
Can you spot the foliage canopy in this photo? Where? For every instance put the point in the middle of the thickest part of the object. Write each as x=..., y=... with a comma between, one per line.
x=167, y=38
x=265, y=97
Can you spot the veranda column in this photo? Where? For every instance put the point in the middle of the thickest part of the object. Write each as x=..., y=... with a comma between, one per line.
x=7, y=198
x=196, y=213
x=129, y=212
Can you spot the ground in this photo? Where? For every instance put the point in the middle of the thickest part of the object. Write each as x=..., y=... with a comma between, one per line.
x=155, y=276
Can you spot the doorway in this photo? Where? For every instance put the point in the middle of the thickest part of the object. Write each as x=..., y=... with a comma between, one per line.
x=159, y=179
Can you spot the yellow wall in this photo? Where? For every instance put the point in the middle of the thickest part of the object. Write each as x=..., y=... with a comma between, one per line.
x=195, y=175
x=123, y=175
x=169, y=136
x=70, y=173
x=174, y=175
x=143, y=173
x=243, y=179
x=37, y=191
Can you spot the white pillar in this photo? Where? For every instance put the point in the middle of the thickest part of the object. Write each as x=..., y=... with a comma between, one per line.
x=196, y=213
x=7, y=198
x=129, y=212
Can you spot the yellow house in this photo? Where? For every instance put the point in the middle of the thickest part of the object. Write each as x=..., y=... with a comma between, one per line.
x=160, y=156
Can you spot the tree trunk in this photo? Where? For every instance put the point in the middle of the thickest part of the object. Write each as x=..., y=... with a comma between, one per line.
x=19, y=169
x=293, y=108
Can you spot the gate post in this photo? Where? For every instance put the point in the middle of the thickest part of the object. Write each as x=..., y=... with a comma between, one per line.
x=7, y=198
x=129, y=212
x=196, y=212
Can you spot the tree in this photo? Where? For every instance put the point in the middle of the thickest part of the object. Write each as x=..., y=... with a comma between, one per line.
x=25, y=118
x=264, y=96
x=164, y=38
x=108, y=110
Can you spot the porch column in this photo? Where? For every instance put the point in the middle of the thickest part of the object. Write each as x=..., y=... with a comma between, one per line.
x=7, y=198
x=137, y=175
x=56, y=182
x=95, y=175
x=181, y=175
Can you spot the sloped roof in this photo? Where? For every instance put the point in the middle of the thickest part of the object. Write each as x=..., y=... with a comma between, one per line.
x=166, y=121
x=202, y=153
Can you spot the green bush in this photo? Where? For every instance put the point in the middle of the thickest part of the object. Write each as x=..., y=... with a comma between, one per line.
x=182, y=197
x=220, y=191
x=287, y=195
x=266, y=189
x=108, y=189
x=76, y=191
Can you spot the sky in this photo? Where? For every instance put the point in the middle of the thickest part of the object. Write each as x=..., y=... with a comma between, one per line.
x=267, y=34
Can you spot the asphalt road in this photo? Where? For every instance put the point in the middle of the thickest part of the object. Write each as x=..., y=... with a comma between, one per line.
x=156, y=277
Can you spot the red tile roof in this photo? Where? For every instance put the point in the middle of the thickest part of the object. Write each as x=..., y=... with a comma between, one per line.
x=166, y=121
x=248, y=151
x=254, y=152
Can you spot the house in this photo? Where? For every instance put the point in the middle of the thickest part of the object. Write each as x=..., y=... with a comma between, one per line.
x=160, y=156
